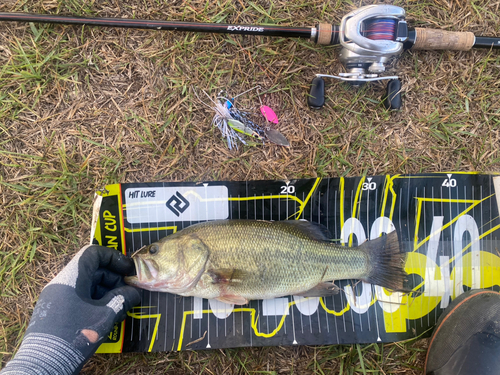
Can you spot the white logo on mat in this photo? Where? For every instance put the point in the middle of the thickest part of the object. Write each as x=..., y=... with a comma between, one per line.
x=176, y=203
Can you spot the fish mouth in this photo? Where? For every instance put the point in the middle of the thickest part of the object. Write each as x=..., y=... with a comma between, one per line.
x=147, y=269
x=148, y=277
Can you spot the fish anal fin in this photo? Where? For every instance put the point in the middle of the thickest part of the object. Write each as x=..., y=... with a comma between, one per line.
x=227, y=276
x=232, y=299
x=321, y=290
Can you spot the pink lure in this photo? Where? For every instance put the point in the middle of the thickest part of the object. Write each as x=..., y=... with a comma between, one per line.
x=269, y=114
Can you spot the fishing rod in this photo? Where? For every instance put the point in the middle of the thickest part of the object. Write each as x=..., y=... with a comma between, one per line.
x=370, y=36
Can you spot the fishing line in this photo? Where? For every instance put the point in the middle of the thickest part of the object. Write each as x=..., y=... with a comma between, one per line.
x=381, y=29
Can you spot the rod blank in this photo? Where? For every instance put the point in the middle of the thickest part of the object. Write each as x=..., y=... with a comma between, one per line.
x=220, y=28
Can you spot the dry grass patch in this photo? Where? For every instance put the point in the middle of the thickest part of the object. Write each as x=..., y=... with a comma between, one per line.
x=81, y=107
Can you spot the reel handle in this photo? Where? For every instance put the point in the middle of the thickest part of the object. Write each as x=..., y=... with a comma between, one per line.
x=316, y=98
x=393, y=98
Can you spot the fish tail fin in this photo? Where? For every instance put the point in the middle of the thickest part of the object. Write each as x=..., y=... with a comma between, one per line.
x=386, y=262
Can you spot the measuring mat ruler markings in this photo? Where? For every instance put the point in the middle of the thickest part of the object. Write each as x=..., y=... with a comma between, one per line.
x=448, y=224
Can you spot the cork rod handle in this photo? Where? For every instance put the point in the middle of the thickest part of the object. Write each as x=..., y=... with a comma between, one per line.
x=432, y=39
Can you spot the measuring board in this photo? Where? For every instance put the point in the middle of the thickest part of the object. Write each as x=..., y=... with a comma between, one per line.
x=447, y=223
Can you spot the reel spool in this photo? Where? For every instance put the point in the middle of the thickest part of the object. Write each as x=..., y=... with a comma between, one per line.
x=370, y=36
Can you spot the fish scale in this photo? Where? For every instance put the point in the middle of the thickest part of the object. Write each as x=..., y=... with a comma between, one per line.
x=240, y=260
x=278, y=259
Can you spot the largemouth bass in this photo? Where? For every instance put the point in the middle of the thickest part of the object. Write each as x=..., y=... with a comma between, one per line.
x=235, y=261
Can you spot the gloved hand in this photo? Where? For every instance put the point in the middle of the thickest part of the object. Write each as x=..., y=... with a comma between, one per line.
x=75, y=312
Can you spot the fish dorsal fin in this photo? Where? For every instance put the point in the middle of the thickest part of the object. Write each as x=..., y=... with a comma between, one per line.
x=308, y=229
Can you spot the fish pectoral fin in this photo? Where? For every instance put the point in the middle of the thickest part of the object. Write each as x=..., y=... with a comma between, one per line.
x=232, y=299
x=227, y=276
x=321, y=290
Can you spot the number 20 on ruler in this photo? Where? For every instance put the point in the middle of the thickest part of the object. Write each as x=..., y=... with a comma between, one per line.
x=287, y=189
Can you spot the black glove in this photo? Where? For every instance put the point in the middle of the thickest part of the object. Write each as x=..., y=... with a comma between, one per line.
x=75, y=312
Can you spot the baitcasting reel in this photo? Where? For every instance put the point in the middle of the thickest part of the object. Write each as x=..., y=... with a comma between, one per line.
x=370, y=36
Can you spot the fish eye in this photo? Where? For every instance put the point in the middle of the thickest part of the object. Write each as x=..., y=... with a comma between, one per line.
x=153, y=249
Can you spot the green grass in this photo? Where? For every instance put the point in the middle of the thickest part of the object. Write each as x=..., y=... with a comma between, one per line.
x=81, y=107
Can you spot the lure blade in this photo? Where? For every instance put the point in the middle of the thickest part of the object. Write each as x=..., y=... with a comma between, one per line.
x=276, y=137
x=269, y=114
